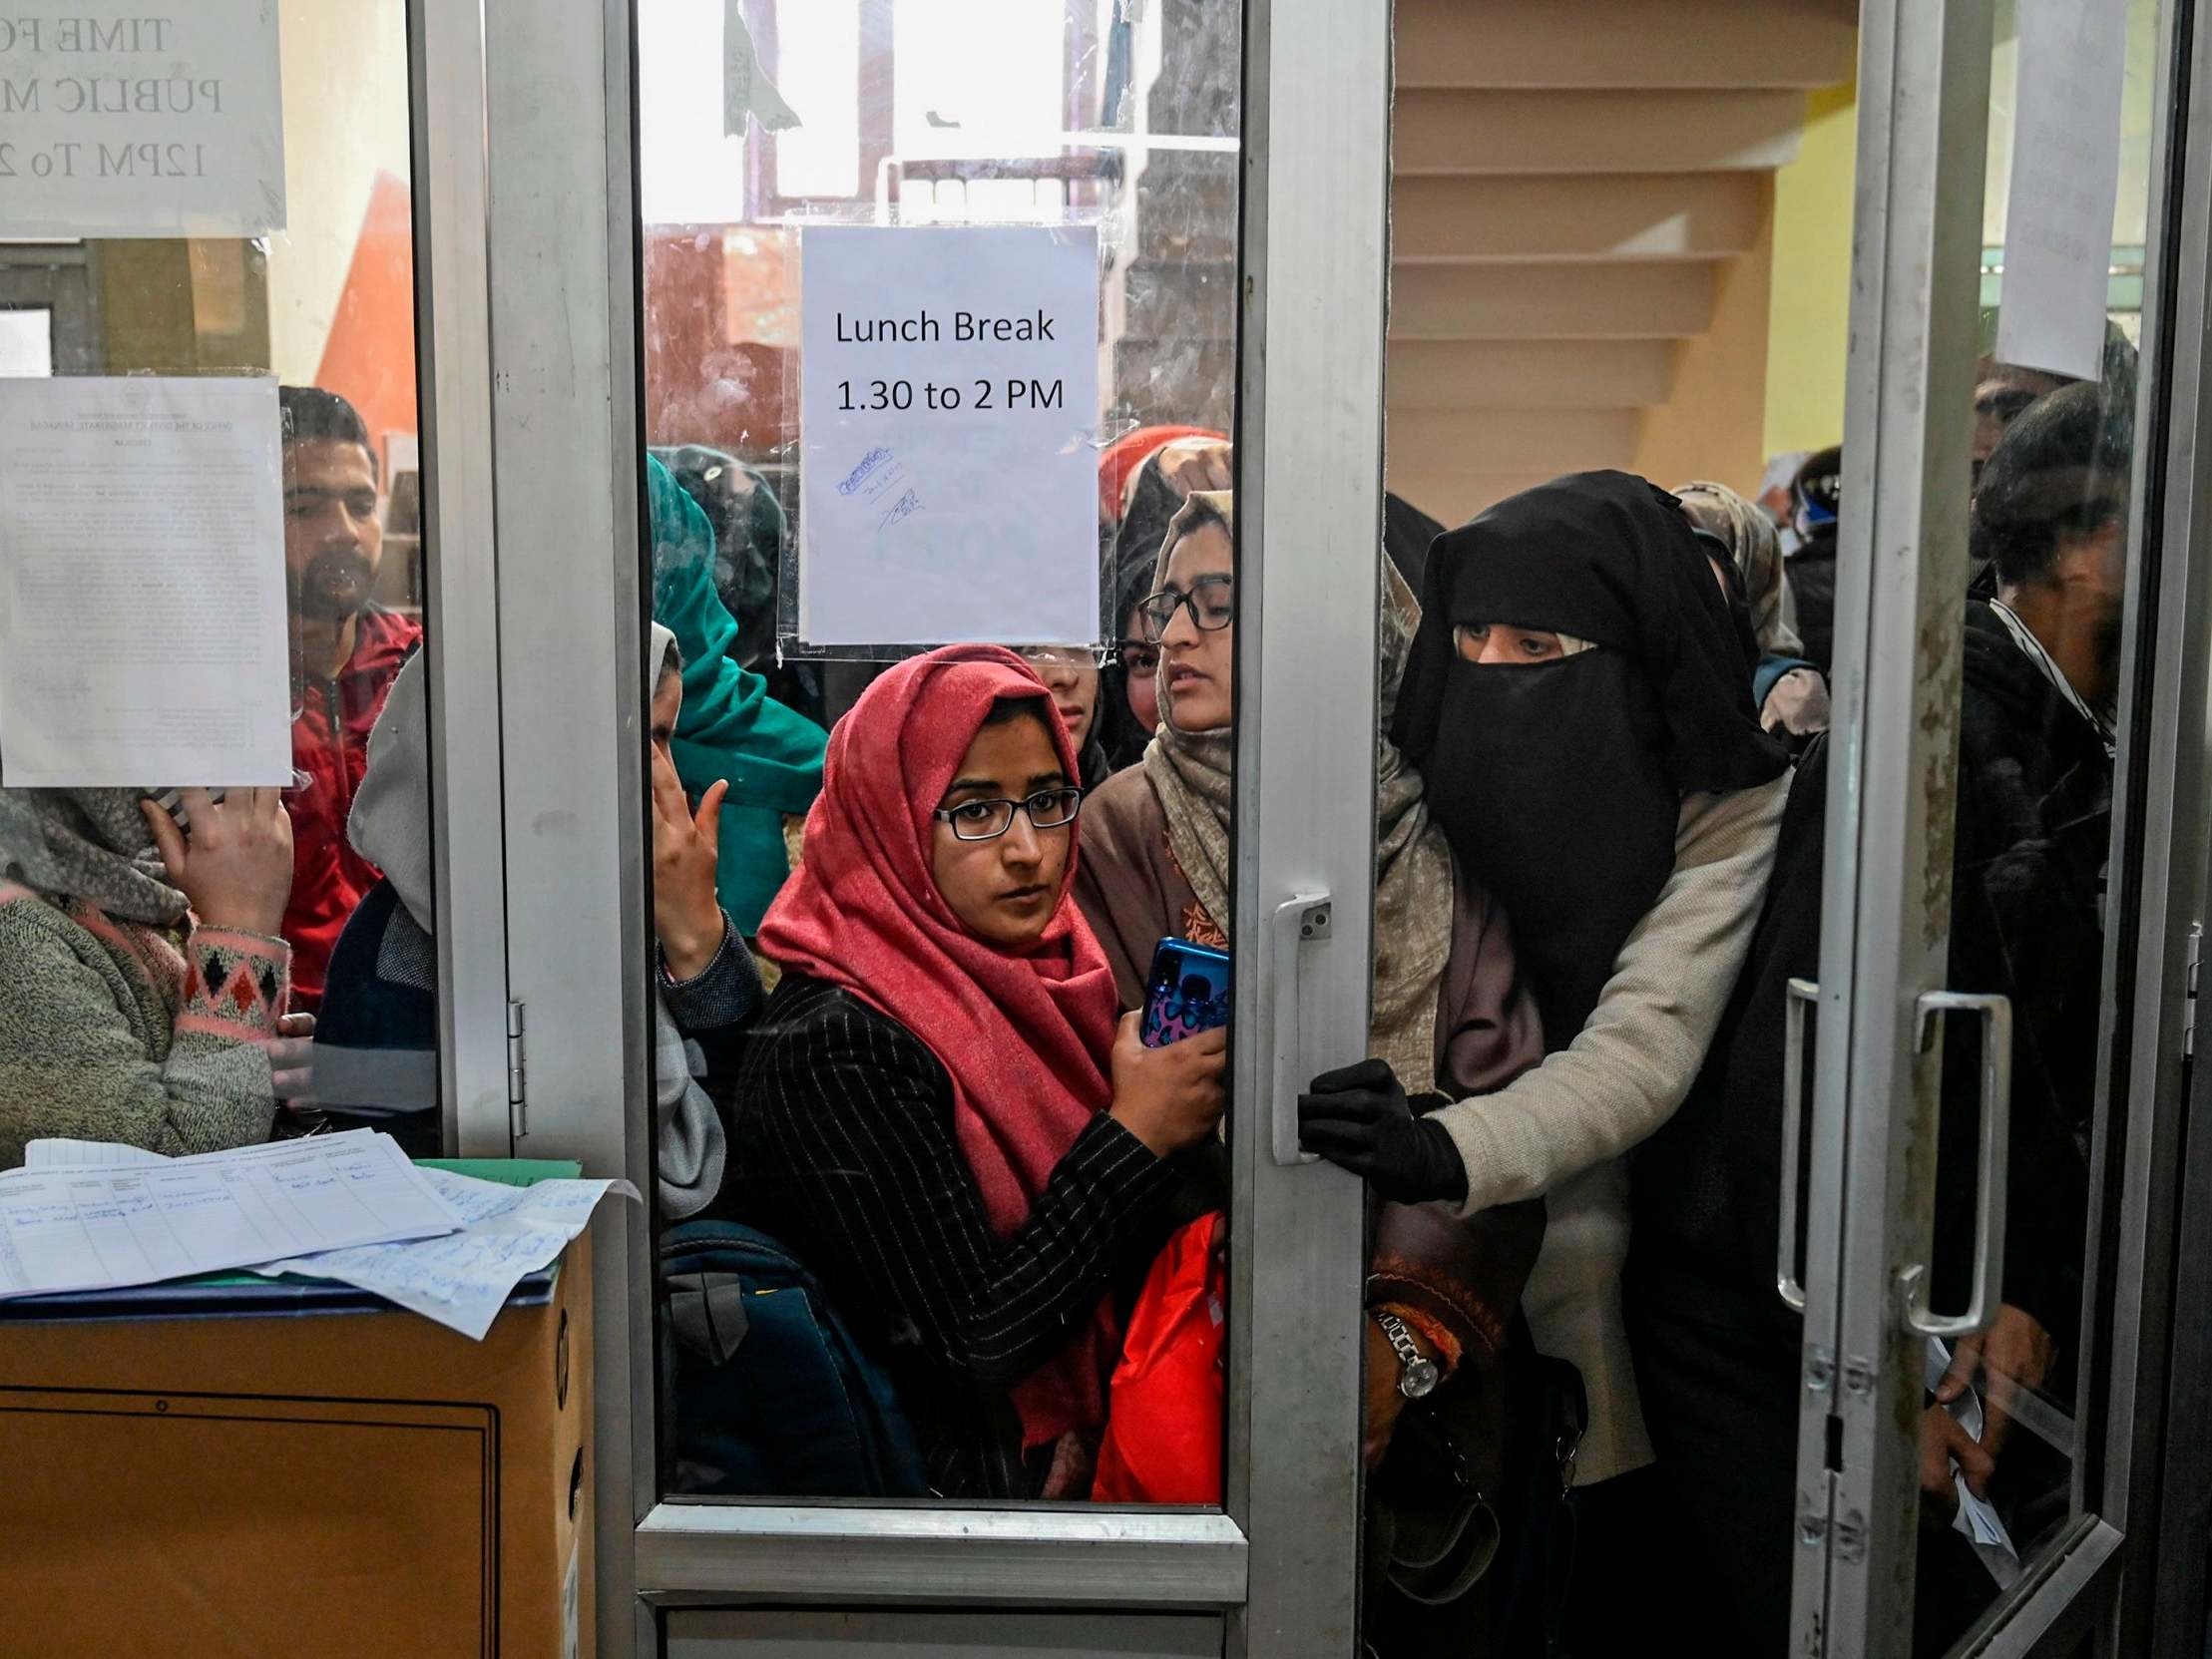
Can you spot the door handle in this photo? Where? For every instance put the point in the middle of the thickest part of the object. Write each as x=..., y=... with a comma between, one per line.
x=1298, y=923
x=1997, y=1122
x=1797, y=996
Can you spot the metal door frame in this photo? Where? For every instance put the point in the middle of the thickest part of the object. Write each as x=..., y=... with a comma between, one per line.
x=1281, y=1562
x=1923, y=89
x=445, y=56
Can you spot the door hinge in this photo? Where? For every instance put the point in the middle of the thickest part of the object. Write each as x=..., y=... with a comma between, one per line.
x=518, y=1074
x=2189, y=990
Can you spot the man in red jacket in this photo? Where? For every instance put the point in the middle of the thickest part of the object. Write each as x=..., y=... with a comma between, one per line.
x=345, y=651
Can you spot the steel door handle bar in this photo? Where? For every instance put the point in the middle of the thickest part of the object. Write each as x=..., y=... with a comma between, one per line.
x=1797, y=998
x=1997, y=1122
x=1297, y=922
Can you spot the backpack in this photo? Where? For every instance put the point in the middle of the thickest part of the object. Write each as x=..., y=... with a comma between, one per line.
x=765, y=1392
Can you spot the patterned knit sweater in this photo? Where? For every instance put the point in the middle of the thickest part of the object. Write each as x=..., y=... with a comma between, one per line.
x=123, y=1031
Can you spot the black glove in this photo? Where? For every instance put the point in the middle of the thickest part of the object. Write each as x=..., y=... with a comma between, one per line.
x=1360, y=1119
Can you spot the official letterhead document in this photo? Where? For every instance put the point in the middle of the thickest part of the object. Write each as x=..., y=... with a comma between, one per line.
x=142, y=640
x=66, y=1227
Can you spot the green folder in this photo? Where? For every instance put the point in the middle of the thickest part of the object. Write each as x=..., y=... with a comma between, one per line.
x=514, y=1172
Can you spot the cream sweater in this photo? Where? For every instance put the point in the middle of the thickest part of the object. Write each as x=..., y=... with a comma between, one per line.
x=1563, y=1131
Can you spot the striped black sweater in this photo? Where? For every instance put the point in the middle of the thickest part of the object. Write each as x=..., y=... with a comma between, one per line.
x=842, y=1148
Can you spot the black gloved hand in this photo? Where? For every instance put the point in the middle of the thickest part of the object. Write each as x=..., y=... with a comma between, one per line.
x=1360, y=1119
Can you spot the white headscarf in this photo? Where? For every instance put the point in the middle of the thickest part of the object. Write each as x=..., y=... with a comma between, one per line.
x=689, y=1146
x=390, y=822
x=390, y=827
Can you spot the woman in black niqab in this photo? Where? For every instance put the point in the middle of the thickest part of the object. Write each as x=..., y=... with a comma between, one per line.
x=1560, y=782
x=1579, y=703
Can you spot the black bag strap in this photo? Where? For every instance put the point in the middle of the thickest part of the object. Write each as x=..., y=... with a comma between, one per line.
x=1434, y=1539
x=1567, y=1419
x=707, y=1311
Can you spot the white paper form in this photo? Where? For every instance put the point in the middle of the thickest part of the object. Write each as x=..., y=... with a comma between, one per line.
x=949, y=424
x=463, y=1279
x=2066, y=185
x=142, y=640
x=64, y=1229
x=62, y=1152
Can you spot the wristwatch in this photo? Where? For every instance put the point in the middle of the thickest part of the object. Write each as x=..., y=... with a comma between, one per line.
x=1417, y=1373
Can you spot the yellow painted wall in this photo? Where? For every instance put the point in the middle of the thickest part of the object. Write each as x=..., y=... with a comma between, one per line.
x=1710, y=427
x=1808, y=331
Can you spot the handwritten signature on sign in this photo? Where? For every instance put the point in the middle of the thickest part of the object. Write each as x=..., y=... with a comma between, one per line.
x=877, y=476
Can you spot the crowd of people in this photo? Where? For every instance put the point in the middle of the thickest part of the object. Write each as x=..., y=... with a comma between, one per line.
x=903, y=1045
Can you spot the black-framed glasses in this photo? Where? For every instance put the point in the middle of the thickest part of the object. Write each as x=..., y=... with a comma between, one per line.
x=988, y=820
x=1137, y=657
x=1211, y=603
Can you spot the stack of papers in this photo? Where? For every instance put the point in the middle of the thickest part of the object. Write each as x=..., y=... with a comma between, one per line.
x=76, y=1225
x=83, y=1216
x=462, y=1279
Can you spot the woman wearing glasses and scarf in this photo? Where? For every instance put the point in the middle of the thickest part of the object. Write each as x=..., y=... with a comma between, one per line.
x=1156, y=863
x=938, y=1112
x=1580, y=705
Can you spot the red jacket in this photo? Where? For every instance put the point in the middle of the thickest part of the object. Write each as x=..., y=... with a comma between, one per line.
x=331, y=744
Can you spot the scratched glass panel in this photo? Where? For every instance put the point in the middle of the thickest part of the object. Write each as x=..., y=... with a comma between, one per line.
x=2057, y=428
x=216, y=900
x=940, y=339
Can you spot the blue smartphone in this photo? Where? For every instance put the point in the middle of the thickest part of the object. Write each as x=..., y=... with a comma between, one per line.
x=1187, y=991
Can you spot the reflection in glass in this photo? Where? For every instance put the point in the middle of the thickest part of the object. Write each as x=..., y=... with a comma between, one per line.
x=2051, y=519
x=220, y=926
x=951, y=1190
x=1507, y=364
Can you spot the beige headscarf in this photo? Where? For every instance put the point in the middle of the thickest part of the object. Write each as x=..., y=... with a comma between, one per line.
x=1750, y=536
x=1192, y=773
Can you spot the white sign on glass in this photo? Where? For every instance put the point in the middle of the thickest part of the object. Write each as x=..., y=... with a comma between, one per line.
x=949, y=422
x=120, y=119
x=2066, y=186
x=143, y=634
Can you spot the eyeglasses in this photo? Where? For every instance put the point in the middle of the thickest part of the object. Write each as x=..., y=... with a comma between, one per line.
x=1211, y=603
x=988, y=820
x=1136, y=657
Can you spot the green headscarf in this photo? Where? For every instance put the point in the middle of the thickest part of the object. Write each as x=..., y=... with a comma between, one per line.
x=729, y=728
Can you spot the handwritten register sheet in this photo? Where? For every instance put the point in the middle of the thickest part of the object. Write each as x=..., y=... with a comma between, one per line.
x=463, y=1279
x=69, y=1227
x=142, y=641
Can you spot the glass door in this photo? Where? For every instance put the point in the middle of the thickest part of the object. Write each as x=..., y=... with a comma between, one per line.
x=1993, y=1032
x=239, y=374
x=886, y=329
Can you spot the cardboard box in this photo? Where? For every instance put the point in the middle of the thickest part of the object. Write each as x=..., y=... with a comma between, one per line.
x=241, y=1477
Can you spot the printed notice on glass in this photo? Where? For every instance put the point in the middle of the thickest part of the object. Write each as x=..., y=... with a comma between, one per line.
x=2066, y=186
x=949, y=423
x=124, y=119
x=142, y=641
